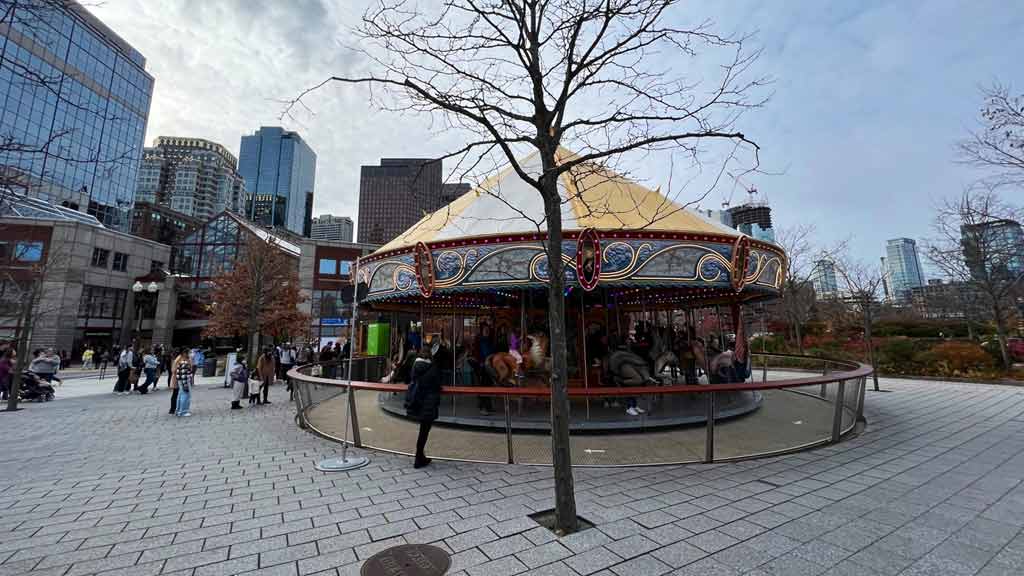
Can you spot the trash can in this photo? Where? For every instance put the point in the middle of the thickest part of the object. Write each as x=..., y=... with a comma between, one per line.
x=210, y=366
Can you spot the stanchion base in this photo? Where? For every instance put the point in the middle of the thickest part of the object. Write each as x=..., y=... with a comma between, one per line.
x=342, y=465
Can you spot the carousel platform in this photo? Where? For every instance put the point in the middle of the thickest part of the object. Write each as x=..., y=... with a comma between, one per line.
x=596, y=415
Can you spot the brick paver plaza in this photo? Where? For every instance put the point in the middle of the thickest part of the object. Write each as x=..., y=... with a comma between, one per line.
x=114, y=485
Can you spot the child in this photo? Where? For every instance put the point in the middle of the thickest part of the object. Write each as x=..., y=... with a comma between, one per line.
x=240, y=379
x=254, y=390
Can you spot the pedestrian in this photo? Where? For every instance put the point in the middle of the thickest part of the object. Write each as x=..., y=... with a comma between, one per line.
x=326, y=359
x=240, y=380
x=44, y=364
x=104, y=360
x=6, y=372
x=150, y=364
x=87, y=358
x=125, y=360
x=422, y=400
x=181, y=383
x=167, y=366
x=265, y=369
x=287, y=360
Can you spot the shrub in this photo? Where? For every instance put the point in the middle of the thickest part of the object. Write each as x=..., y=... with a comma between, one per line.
x=956, y=359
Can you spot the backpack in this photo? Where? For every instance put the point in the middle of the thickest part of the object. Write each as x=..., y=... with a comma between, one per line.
x=122, y=361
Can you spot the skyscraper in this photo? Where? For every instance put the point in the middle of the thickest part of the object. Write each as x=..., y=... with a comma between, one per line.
x=192, y=176
x=74, y=97
x=396, y=194
x=992, y=248
x=903, y=268
x=279, y=169
x=823, y=278
x=337, y=228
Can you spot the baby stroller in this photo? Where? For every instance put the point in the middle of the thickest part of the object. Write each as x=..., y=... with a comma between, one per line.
x=35, y=388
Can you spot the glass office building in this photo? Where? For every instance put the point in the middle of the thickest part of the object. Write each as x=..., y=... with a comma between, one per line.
x=74, y=99
x=279, y=169
x=903, y=268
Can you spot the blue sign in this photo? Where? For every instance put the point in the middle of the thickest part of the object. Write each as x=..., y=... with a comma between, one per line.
x=334, y=321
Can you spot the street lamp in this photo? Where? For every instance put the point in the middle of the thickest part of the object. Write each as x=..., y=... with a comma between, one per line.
x=138, y=288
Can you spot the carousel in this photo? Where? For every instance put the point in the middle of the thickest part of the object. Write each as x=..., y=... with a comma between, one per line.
x=654, y=294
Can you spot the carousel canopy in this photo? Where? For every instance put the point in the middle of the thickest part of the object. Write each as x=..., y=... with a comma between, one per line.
x=592, y=197
x=617, y=234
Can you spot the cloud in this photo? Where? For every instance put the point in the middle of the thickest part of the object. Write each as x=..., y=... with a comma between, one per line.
x=869, y=97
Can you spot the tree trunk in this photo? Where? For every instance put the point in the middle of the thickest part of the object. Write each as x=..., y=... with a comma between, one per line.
x=870, y=343
x=997, y=314
x=799, y=338
x=22, y=360
x=561, y=454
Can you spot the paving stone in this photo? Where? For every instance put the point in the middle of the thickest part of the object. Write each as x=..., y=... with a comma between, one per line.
x=229, y=567
x=544, y=554
x=502, y=567
x=633, y=546
x=679, y=554
x=505, y=546
x=712, y=541
x=706, y=567
x=592, y=560
x=323, y=562
x=585, y=540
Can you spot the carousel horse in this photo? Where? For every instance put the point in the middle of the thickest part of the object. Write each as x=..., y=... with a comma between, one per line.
x=504, y=367
x=629, y=369
x=662, y=355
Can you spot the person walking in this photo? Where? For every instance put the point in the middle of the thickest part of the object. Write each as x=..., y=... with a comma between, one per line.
x=44, y=364
x=150, y=364
x=6, y=372
x=240, y=381
x=287, y=355
x=167, y=360
x=181, y=383
x=87, y=358
x=327, y=356
x=266, y=369
x=104, y=359
x=124, y=370
x=422, y=400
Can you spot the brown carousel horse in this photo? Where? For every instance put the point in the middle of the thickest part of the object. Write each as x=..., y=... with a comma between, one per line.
x=503, y=367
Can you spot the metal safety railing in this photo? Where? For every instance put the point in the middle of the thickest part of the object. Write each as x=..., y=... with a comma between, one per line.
x=791, y=403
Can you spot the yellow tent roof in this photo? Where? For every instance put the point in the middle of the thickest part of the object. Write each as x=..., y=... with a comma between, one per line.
x=592, y=197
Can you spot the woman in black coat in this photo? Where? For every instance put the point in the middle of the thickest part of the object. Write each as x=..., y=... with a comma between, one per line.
x=422, y=400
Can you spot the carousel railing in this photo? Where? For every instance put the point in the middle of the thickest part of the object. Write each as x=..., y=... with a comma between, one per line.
x=790, y=403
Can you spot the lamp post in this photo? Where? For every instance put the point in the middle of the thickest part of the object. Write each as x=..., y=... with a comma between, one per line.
x=138, y=288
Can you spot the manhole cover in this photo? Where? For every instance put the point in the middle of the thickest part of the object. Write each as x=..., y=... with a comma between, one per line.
x=408, y=560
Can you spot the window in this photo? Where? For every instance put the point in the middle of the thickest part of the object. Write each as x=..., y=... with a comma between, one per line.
x=344, y=268
x=328, y=266
x=100, y=257
x=28, y=252
x=156, y=265
x=4, y=251
x=120, y=261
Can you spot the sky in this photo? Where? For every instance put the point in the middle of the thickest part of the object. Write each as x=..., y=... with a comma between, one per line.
x=857, y=138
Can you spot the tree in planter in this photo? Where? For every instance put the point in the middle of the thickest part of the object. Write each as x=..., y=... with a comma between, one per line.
x=537, y=75
x=997, y=146
x=863, y=283
x=23, y=292
x=975, y=245
x=259, y=295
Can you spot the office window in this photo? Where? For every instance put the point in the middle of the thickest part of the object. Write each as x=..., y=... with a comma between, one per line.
x=156, y=265
x=100, y=257
x=5, y=252
x=328, y=266
x=344, y=268
x=28, y=251
x=120, y=261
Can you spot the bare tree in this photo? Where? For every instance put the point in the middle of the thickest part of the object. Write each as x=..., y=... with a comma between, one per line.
x=997, y=146
x=802, y=267
x=978, y=244
x=594, y=75
x=23, y=290
x=862, y=283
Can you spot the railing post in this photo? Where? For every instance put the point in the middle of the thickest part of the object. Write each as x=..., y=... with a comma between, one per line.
x=354, y=417
x=824, y=372
x=837, y=416
x=764, y=369
x=709, y=442
x=297, y=386
x=860, y=397
x=508, y=430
